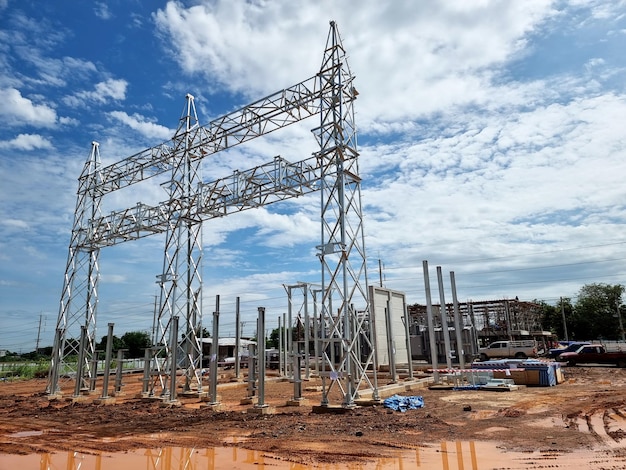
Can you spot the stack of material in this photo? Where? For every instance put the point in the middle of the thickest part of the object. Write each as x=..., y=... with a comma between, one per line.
x=500, y=385
x=525, y=372
x=549, y=373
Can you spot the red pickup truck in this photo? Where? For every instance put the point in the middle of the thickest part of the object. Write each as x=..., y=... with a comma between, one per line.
x=593, y=354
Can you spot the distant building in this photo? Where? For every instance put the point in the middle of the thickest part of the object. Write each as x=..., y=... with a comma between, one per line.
x=482, y=321
x=226, y=347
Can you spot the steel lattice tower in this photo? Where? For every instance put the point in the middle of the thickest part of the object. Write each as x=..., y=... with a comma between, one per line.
x=181, y=280
x=76, y=324
x=345, y=330
x=342, y=248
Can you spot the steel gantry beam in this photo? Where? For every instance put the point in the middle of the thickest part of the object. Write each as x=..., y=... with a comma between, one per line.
x=275, y=111
x=332, y=171
x=275, y=181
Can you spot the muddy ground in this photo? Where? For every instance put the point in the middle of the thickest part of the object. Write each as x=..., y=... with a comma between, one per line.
x=587, y=411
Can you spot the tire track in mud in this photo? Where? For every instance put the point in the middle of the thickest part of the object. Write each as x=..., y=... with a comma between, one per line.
x=607, y=425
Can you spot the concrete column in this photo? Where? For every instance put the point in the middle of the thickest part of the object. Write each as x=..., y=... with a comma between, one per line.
x=107, y=362
x=458, y=324
x=174, y=357
x=444, y=318
x=261, y=353
x=431, y=323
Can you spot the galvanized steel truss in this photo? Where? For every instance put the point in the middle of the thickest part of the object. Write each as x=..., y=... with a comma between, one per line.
x=333, y=171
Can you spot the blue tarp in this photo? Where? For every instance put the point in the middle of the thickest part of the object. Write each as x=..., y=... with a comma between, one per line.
x=399, y=403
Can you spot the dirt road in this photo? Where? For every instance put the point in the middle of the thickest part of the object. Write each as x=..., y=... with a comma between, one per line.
x=587, y=411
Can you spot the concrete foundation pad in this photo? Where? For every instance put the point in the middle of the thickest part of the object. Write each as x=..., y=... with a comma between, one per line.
x=262, y=410
x=440, y=387
x=499, y=388
x=212, y=406
x=206, y=398
x=171, y=404
x=319, y=409
x=79, y=399
x=389, y=390
x=249, y=401
x=118, y=394
x=313, y=389
x=194, y=394
x=55, y=396
x=105, y=401
x=148, y=397
x=298, y=402
x=368, y=402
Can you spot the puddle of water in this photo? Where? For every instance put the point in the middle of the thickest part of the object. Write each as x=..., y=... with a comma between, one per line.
x=457, y=455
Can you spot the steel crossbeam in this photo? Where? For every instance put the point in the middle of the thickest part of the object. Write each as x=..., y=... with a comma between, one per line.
x=271, y=182
x=275, y=111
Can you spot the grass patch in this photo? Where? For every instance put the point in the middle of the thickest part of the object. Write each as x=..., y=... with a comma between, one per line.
x=25, y=371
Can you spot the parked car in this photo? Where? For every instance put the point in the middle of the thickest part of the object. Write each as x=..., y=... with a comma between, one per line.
x=509, y=349
x=593, y=354
x=572, y=346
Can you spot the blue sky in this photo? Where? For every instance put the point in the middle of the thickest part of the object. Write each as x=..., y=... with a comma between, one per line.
x=491, y=136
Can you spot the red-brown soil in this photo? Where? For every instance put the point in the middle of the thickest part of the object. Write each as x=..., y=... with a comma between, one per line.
x=588, y=410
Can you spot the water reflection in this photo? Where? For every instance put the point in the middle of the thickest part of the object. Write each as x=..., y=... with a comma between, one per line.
x=178, y=458
x=457, y=455
x=460, y=457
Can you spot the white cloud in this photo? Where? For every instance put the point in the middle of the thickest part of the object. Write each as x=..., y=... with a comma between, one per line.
x=114, y=278
x=16, y=224
x=504, y=185
x=27, y=142
x=103, y=92
x=115, y=89
x=102, y=11
x=17, y=110
x=142, y=125
x=429, y=57
x=55, y=72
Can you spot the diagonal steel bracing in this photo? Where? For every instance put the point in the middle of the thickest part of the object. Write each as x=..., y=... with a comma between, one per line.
x=79, y=297
x=346, y=343
x=333, y=171
x=181, y=281
x=275, y=111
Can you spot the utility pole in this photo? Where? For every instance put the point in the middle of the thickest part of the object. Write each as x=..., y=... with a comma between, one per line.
x=39, y=334
x=621, y=325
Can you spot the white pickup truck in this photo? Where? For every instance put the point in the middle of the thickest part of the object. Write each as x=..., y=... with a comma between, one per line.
x=509, y=349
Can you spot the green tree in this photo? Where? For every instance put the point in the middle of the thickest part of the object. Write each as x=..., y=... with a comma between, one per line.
x=595, y=313
x=136, y=342
x=273, y=341
x=117, y=344
x=552, y=318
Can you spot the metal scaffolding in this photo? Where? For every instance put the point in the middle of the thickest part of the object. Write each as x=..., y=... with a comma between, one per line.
x=333, y=171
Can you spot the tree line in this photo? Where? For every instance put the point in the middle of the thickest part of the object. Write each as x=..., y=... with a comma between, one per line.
x=596, y=314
